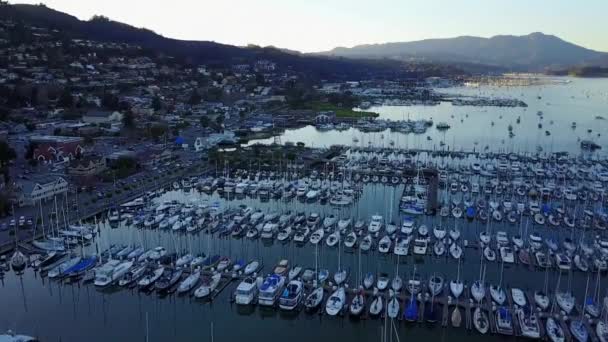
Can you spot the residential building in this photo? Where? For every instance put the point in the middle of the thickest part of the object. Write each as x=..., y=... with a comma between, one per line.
x=53, y=148
x=88, y=166
x=101, y=117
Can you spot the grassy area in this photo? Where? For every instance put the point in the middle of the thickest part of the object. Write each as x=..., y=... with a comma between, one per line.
x=340, y=112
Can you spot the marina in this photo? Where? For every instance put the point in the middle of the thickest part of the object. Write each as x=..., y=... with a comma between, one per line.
x=382, y=239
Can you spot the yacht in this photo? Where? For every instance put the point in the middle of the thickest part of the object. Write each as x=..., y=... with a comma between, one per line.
x=270, y=289
x=111, y=272
x=420, y=246
x=375, y=224
x=292, y=295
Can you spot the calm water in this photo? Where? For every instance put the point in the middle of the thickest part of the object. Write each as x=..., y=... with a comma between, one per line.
x=580, y=101
x=57, y=312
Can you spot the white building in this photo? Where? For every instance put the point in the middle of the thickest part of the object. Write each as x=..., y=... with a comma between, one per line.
x=214, y=139
x=42, y=189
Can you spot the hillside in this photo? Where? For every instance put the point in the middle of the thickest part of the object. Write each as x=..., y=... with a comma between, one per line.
x=536, y=51
x=212, y=53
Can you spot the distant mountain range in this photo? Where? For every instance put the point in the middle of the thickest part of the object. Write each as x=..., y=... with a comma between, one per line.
x=431, y=57
x=212, y=53
x=533, y=52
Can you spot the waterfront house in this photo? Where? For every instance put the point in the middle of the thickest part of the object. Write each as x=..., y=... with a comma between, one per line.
x=42, y=188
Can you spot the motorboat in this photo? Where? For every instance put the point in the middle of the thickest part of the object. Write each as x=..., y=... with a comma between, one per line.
x=420, y=246
x=281, y=267
x=251, y=267
x=401, y=246
x=292, y=295
x=506, y=255
x=414, y=284
x=407, y=225
x=504, y=321
x=375, y=224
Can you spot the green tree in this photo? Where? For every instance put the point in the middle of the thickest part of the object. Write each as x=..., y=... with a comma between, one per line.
x=66, y=100
x=109, y=101
x=128, y=120
x=219, y=120
x=195, y=98
x=204, y=121
x=156, y=104
x=7, y=154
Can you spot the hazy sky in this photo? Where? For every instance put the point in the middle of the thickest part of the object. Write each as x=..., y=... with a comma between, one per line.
x=317, y=25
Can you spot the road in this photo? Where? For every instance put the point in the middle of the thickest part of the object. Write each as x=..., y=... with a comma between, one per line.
x=84, y=205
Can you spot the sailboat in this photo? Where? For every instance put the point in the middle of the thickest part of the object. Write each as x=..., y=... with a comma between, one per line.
x=376, y=306
x=456, y=286
x=456, y=317
x=480, y=321
x=314, y=299
x=393, y=306
x=335, y=303
x=554, y=330
x=18, y=259
x=357, y=304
